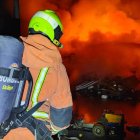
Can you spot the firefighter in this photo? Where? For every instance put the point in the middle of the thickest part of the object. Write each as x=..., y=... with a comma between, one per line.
x=51, y=83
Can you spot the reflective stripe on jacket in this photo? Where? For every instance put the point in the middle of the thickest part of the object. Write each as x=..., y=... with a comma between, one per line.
x=41, y=56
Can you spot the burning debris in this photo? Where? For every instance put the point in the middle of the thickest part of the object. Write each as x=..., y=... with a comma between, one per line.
x=117, y=88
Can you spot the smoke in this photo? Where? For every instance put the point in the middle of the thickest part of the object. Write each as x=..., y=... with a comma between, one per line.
x=93, y=15
x=131, y=8
x=109, y=59
x=101, y=38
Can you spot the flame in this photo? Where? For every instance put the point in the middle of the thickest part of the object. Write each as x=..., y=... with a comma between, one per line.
x=102, y=36
x=101, y=39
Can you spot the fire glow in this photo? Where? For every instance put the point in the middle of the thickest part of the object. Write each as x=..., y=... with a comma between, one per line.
x=101, y=38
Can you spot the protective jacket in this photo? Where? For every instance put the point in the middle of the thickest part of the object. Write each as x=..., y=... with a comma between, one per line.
x=50, y=81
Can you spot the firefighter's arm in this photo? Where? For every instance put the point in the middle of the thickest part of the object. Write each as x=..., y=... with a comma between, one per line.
x=60, y=111
x=60, y=118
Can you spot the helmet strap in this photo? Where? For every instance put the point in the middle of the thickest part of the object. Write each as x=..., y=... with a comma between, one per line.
x=57, y=43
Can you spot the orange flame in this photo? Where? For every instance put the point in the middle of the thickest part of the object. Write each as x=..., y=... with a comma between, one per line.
x=101, y=39
x=89, y=27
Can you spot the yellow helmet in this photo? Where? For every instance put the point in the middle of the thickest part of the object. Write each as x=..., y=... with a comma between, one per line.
x=48, y=24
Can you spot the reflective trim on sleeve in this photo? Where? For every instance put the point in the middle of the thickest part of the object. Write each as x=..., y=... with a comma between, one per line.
x=36, y=92
x=54, y=130
x=40, y=114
